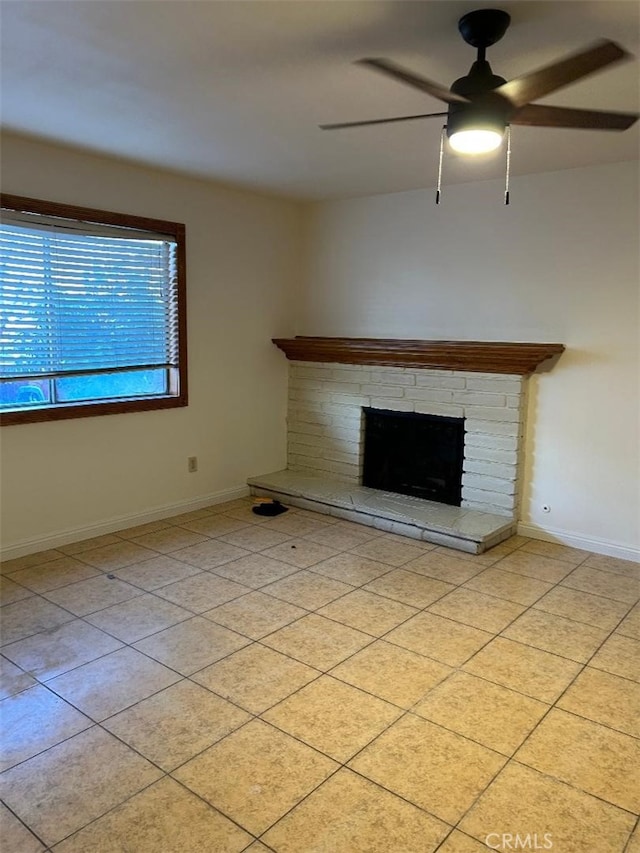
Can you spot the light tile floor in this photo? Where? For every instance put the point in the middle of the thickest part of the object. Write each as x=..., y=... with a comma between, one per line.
x=220, y=682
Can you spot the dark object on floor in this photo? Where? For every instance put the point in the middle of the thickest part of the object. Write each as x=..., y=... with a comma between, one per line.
x=269, y=507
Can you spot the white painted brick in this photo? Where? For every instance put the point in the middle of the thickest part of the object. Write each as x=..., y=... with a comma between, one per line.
x=307, y=395
x=393, y=405
x=318, y=372
x=382, y=390
x=352, y=422
x=433, y=395
x=426, y=408
x=486, y=507
x=426, y=379
x=355, y=373
x=336, y=456
x=296, y=383
x=491, y=469
x=488, y=413
x=351, y=432
x=344, y=411
x=469, y=398
x=497, y=384
x=514, y=401
x=349, y=399
x=492, y=427
x=427, y=371
x=317, y=464
x=305, y=416
x=388, y=377
x=485, y=497
x=486, y=454
x=408, y=530
x=344, y=468
x=312, y=440
x=494, y=442
x=307, y=429
x=491, y=484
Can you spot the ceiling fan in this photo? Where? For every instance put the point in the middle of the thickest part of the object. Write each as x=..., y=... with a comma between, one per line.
x=482, y=104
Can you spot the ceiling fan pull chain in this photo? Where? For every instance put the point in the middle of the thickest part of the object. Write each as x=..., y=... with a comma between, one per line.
x=508, y=172
x=442, y=135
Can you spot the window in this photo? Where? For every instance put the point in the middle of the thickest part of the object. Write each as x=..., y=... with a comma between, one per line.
x=92, y=312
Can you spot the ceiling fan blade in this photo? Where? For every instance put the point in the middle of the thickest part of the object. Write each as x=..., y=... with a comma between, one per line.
x=434, y=89
x=540, y=115
x=342, y=125
x=536, y=84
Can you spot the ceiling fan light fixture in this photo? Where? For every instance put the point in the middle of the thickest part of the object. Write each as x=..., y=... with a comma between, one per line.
x=475, y=140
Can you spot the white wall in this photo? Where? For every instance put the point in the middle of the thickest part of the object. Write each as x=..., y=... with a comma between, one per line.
x=559, y=264
x=242, y=275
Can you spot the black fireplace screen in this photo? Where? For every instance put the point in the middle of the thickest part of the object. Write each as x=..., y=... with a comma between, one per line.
x=412, y=454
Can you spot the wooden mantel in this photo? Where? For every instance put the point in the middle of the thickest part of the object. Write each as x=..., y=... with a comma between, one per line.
x=477, y=356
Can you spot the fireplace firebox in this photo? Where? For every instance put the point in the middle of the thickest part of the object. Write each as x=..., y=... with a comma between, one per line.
x=414, y=454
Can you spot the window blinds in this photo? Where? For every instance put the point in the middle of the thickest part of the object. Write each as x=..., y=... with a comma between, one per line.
x=81, y=298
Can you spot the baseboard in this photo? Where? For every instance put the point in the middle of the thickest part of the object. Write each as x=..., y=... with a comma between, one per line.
x=562, y=537
x=66, y=537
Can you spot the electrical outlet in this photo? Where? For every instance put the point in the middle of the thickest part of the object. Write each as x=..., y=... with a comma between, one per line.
x=192, y=464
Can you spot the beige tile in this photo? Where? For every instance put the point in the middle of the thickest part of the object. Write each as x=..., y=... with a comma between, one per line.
x=608, y=584
x=533, y=672
x=31, y=616
x=256, y=570
x=391, y=673
x=255, y=677
x=630, y=626
x=418, y=760
x=556, y=634
x=185, y=517
x=297, y=524
x=606, y=699
x=442, y=639
x=352, y=569
x=143, y=529
x=236, y=503
x=255, y=538
x=530, y=565
x=258, y=847
x=210, y=554
x=508, y=585
x=90, y=544
x=34, y=720
x=255, y=615
x=613, y=564
x=245, y=513
x=620, y=656
x=524, y=801
x=300, y=552
x=307, y=589
x=409, y=588
x=444, y=567
x=202, y=592
x=191, y=645
x=30, y=560
x=394, y=550
x=575, y=556
x=152, y=574
x=55, y=651
x=137, y=618
x=111, y=683
x=588, y=756
x=15, y=835
x=333, y=717
x=172, y=726
x=634, y=842
x=458, y=842
x=13, y=679
x=349, y=813
x=317, y=641
x=256, y=775
x=476, y=609
x=45, y=794
x=164, y=818
x=10, y=592
x=214, y=525
x=54, y=574
x=109, y=558
x=343, y=538
x=170, y=539
x=583, y=607
x=93, y=594
x=368, y=612
x=485, y=712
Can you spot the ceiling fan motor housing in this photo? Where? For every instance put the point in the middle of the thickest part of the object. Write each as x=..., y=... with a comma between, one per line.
x=486, y=110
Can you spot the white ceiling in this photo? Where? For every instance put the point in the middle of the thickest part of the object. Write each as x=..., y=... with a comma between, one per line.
x=234, y=90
